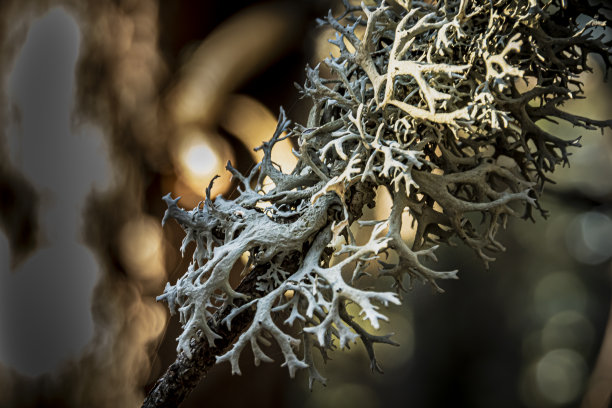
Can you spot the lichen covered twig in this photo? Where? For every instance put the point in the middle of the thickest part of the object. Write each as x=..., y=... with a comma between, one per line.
x=428, y=101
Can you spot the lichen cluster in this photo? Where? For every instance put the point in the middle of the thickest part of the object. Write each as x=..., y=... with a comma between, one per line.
x=437, y=102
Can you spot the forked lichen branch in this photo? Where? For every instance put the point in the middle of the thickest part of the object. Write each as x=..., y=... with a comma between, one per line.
x=427, y=100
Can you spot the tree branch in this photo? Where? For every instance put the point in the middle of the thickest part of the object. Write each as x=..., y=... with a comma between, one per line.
x=185, y=373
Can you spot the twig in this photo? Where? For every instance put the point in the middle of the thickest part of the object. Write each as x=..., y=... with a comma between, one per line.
x=185, y=373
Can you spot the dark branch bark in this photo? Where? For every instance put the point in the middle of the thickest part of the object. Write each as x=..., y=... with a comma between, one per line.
x=185, y=373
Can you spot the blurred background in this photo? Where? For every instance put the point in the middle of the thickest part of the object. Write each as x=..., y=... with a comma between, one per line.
x=106, y=106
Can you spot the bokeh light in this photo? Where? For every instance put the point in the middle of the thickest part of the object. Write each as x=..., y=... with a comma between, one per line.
x=568, y=329
x=589, y=237
x=559, y=291
x=200, y=156
x=200, y=159
x=142, y=251
x=560, y=375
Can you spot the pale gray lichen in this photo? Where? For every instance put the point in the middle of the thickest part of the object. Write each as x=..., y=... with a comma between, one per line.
x=438, y=103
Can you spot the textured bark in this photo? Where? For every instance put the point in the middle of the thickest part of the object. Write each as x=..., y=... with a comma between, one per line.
x=185, y=373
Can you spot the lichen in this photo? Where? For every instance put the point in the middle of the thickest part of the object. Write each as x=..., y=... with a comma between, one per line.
x=437, y=103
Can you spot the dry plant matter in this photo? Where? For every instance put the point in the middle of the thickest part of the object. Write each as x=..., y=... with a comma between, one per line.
x=437, y=103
